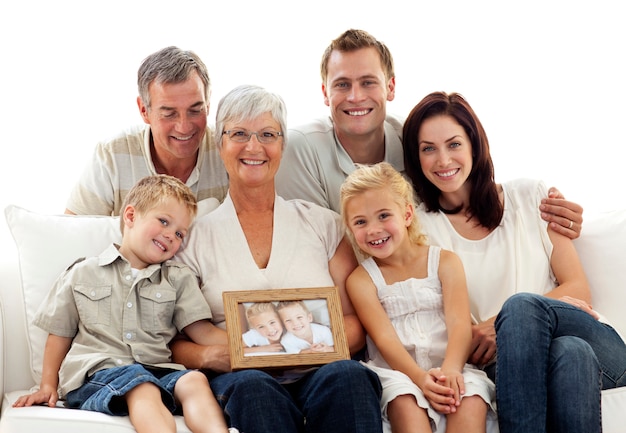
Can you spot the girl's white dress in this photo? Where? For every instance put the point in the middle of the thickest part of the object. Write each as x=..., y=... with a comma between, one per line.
x=415, y=308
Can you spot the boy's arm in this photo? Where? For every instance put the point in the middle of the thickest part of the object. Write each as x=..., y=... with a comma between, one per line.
x=54, y=353
x=208, y=350
x=206, y=333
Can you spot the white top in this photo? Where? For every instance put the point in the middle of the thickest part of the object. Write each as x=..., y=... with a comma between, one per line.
x=304, y=240
x=321, y=334
x=515, y=257
x=253, y=338
x=415, y=309
x=315, y=164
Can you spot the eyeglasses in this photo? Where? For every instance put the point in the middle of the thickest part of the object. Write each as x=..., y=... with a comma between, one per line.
x=243, y=136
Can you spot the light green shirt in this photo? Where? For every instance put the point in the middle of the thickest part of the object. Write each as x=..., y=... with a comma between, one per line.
x=115, y=319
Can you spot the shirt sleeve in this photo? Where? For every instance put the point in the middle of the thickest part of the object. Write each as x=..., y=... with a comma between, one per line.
x=93, y=194
x=299, y=175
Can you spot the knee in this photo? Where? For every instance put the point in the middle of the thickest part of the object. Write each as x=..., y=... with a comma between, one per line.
x=192, y=379
x=521, y=302
x=350, y=376
x=518, y=309
x=247, y=383
x=574, y=353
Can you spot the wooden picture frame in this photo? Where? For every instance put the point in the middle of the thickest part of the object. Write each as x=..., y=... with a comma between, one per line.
x=324, y=305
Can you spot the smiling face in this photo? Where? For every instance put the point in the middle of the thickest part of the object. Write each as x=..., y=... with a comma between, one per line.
x=268, y=324
x=357, y=91
x=252, y=163
x=378, y=223
x=297, y=321
x=177, y=117
x=156, y=235
x=445, y=155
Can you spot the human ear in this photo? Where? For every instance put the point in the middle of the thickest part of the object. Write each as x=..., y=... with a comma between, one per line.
x=128, y=215
x=391, y=87
x=409, y=214
x=326, y=101
x=143, y=110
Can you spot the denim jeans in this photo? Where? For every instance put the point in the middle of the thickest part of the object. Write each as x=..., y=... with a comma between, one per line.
x=553, y=361
x=104, y=391
x=340, y=397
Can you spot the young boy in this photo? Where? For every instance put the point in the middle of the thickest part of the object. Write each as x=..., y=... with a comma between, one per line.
x=298, y=321
x=110, y=319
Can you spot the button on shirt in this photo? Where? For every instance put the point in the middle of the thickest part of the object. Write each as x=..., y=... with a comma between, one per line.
x=116, y=319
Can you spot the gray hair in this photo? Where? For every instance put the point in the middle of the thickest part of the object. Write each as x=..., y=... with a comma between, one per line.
x=170, y=65
x=249, y=102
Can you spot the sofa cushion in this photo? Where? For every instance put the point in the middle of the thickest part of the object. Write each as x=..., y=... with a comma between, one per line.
x=600, y=248
x=46, y=246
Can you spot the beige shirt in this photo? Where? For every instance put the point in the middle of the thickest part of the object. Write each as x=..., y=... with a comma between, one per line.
x=119, y=163
x=115, y=319
x=315, y=164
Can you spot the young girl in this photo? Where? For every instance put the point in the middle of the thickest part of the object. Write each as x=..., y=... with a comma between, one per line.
x=412, y=300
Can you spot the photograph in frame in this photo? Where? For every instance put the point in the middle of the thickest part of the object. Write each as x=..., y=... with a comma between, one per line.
x=284, y=328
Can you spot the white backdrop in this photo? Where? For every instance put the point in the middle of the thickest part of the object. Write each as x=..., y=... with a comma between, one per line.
x=545, y=77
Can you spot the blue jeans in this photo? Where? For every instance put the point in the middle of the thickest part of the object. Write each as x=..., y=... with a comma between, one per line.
x=553, y=361
x=105, y=390
x=340, y=397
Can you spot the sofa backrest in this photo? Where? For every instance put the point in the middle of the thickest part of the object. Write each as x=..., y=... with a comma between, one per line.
x=46, y=244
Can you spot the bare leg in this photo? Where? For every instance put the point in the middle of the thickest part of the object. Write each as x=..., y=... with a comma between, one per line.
x=147, y=412
x=405, y=416
x=470, y=416
x=200, y=408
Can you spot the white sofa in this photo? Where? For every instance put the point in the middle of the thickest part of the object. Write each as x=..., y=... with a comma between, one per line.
x=46, y=244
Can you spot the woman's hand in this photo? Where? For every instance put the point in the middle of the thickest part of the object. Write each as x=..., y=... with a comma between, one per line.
x=587, y=308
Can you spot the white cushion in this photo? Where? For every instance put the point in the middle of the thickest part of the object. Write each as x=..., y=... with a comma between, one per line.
x=46, y=246
x=601, y=249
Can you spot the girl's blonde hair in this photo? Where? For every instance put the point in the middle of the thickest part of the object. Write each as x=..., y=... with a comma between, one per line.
x=259, y=308
x=377, y=176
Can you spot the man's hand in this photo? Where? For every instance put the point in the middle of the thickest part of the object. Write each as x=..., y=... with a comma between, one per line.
x=483, y=347
x=565, y=217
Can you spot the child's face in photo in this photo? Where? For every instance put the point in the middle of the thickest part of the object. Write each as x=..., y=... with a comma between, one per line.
x=296, y=320
x=267, y=324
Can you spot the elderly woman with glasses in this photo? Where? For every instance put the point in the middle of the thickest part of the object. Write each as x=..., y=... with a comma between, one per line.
x=257, y=240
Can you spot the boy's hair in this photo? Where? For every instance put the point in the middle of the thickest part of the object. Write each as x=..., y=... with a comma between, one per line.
x=259, y=308
x=285, y=304
x=352, y=40
x=153, y=190
x=381, y=175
